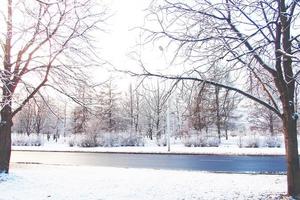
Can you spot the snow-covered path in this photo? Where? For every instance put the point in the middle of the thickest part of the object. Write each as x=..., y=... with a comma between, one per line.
x=38, y=182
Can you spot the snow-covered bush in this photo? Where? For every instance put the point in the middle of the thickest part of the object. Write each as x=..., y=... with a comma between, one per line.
x=249, y=142
x=201, y=141
x=259, y=141
x=233, y=134
x=25, y=140
x=72, y=142
x=87, y=140
x=240, y=142
x=132, y=140
x=194, y=141
x=106, y=140
x=120, y=139
x=162, y=142
x=272, y=142
x=212, y=141
x=109, y=140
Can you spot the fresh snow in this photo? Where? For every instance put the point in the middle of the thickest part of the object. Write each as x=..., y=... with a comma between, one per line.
x=41, y=182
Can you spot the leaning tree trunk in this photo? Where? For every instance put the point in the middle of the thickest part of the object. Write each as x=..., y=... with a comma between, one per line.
x=5, y=138
x=291, y=147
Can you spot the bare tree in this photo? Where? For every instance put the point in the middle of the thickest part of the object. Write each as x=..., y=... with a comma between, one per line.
x=132, y=108
x=38, y=49
x=108, y=108
x=79, y=119
x=33, y=116
x=202, y=108
x=154, y=108
x=263, y=119
x=179, y=113
x=24, y=120
x=41, y=113
x=261, y=37
x=84, y=109
x=224, y=101
x=229, y=105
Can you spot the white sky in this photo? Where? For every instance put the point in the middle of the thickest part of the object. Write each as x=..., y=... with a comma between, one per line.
x=123, y=36
x=120, y=38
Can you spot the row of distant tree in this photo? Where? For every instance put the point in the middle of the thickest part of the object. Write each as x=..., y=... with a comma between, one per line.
x=143, y=109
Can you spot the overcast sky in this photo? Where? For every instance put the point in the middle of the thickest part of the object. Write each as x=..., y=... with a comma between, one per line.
x=122, y=36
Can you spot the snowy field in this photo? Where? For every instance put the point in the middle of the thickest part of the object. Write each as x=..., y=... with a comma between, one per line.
x=41, y=182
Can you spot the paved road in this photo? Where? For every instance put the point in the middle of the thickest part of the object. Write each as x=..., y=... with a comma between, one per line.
x=212, y=163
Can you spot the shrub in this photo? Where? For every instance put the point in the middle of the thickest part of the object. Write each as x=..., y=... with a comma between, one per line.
x=87, y=141
x=193, y=141
x=131, y=140
x=106, y=140
x=213, y=142
x=25, y=140
x=72, y=142
x=272, y=142
x=162, y=141
x=123, y=139
x=233, y=134
x=249, y=142
x=201, y=141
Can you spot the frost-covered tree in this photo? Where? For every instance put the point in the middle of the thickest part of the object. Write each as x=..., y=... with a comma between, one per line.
x=154, y=108
x=33, y=117
x=132, y=109
x=109, y=108
x=202, y=108
x=79, y=119
x=262, y=119
x=24, y=120
x=41, y=113
x=81, y=113
x=44, y=43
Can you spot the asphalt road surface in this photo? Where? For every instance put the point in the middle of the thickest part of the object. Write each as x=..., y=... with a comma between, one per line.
x=211, y=163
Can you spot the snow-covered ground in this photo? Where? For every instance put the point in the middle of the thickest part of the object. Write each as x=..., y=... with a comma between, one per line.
x=39, y=182
x=227, y=147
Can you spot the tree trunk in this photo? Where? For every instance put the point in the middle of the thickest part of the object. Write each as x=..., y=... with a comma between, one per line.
x=271, y=123
x=6, y=114
x=5, y=139
x=291, y=147
x=218, y=121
